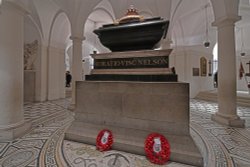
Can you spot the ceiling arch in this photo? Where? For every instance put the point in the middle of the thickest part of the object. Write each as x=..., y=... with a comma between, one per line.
x=102, y=14
x=60, y=30
x=188, y=13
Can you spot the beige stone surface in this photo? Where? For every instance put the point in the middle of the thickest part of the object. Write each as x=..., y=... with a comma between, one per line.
x=133, y=110
x=29, y=85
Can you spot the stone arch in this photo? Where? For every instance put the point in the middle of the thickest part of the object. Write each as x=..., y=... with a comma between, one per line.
x=59, y=34
x=104, y=11
x=94, y=22
x=224, y=9
x=192, y=33
x=221, y=9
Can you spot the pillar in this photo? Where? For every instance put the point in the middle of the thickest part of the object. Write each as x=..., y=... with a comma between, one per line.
x=56, y=78
x=42, y=81
x=227, y=95
x=12, y=122
x=77, y=70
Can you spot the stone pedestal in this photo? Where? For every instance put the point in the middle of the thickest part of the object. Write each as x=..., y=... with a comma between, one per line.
x=133, y=110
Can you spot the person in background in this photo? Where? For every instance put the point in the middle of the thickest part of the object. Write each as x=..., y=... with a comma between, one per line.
x=173, y=70
x=68, y=78
x=216, y=79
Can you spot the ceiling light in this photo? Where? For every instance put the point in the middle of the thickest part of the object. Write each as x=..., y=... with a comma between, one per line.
x=207, y=44
x=242, y=54
x=242, y=43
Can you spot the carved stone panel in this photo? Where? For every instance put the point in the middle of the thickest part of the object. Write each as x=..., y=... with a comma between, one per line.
x=30, y=55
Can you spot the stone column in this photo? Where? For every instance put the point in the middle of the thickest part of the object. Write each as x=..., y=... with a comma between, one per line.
x=227, y=95
x=12, y=122
x=77, y=70
x=56, y=82
x=42, y=81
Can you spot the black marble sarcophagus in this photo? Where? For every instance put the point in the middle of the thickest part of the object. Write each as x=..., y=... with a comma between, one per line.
x=132, y=32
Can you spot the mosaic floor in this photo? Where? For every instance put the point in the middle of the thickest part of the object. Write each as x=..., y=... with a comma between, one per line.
x=43, y=145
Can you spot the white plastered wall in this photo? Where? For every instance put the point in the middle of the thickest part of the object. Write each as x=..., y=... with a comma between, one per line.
x=187, y=58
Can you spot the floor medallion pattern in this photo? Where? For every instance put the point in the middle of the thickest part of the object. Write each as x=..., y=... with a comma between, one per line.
x=43, y=145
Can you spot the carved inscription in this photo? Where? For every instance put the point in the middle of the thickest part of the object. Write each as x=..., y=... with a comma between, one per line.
x=136, y=62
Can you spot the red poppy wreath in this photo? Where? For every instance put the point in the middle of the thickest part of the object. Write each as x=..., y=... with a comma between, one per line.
x=104, y=140
x=157, y=148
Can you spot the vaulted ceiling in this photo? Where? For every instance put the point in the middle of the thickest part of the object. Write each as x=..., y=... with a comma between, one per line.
x=188, y=18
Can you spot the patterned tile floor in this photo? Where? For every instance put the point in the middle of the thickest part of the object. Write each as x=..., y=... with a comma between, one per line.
x=43, y=145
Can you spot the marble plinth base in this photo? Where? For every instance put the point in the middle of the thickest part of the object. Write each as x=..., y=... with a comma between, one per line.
x=133, y=110
x=11, y=132
x=233, y=122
